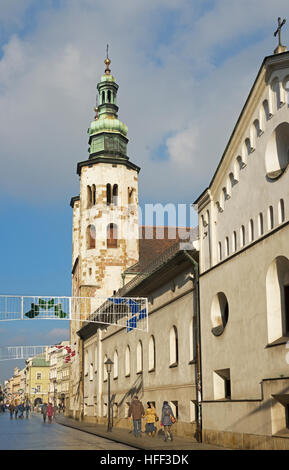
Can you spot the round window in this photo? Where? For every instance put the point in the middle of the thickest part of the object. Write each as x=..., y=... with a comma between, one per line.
x=219, y=313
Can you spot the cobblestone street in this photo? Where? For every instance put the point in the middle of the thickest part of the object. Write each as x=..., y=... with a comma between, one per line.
x=34, y=434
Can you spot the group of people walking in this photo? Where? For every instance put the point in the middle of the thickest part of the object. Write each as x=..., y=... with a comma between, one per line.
x=16, y=409
x=136, y=412
x=47, y=411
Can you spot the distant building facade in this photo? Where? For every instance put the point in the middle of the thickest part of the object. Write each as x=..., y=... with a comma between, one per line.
x=37, y=379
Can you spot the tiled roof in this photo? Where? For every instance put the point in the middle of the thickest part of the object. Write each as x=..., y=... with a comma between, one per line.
x=40, y=362
x=154, y=241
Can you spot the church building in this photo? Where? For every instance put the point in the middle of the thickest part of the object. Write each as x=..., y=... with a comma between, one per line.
x=244, y=273
x=114, y=256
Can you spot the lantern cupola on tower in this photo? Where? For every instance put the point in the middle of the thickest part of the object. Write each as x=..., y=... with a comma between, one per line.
x=107, y=134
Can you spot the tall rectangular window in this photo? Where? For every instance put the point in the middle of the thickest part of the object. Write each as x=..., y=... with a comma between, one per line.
x=287, y=416
x=286, y=310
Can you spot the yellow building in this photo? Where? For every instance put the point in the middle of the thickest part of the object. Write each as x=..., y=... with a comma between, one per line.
x=16, y=384
x=37, y=379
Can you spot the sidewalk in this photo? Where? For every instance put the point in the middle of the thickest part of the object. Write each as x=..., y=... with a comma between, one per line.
x=125, y=436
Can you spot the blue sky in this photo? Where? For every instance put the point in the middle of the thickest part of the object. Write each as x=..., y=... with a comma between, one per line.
x=184, y=67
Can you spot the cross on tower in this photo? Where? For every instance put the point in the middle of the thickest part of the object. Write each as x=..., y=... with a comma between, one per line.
x=280, y=47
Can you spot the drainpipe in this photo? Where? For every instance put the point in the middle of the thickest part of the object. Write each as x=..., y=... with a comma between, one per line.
x=198, y=344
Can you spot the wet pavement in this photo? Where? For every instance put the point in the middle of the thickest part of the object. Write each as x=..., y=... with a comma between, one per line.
x=34, y=434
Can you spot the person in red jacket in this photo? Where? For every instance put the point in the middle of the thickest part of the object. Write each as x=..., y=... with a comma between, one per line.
x=50, y=412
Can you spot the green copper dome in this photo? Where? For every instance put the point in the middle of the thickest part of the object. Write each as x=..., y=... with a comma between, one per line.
x=107, y=124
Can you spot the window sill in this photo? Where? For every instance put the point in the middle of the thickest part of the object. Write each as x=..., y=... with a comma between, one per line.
x=193, y=361
x=282, y=433
x=115, y=378
x=127, y=376
x=172, y=366
x=218, y=330
x=139, y=373
x=280, y=341
x=152, y=370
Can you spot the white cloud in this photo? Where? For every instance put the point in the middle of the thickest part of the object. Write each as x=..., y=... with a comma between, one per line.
x=58, y=333
x=170, y=84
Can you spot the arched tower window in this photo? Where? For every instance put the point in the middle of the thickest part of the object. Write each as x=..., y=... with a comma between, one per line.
x=174, y=347
x=130, y=192
x=109, y=96
x=102, y=97
x=90, y=237
x=111, y=236
x=115, y=194
x=139, y=358
x=127, y=361
x=93, y=195
x=89, y=197
x=152, y=354
x=108, y=194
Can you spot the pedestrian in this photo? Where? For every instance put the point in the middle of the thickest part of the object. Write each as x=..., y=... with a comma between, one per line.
x=136, y=411
x=27, y=409
x=151, y=418
x=16, y=410
x=21, y=410
x=50, y=412
x=11, y=409
x=167, y=420
x=44, y=411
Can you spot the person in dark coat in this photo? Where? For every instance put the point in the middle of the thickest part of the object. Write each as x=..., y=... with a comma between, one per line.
x=21, y=410
x=167, y=416
x=11, y=409
x=136, y=411
x=27, y=409
x=44, y=411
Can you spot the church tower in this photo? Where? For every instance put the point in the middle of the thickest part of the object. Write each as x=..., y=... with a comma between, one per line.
x=105, y=214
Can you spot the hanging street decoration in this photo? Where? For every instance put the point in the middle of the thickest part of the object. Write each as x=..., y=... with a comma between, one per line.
x=46, y=305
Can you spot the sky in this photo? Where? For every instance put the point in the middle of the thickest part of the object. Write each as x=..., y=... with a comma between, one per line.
x=184, y=69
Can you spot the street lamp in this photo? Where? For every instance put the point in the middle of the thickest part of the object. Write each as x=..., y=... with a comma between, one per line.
x=108, y=363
